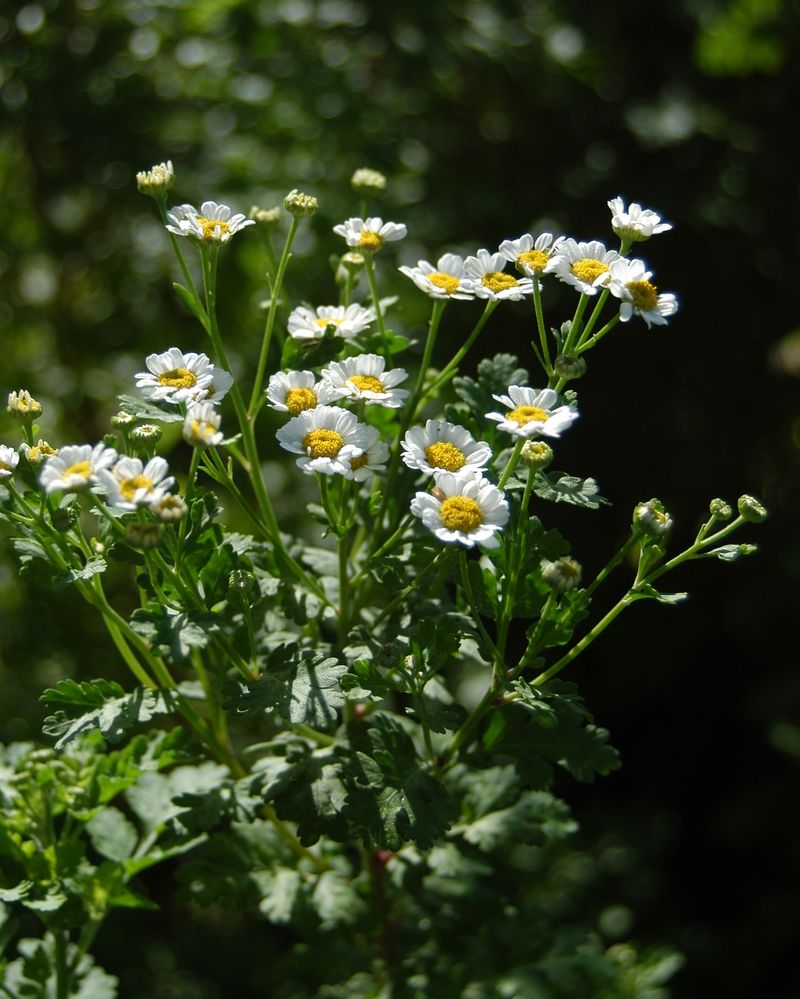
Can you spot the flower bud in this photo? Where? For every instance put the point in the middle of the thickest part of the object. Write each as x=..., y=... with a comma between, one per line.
x=536, y=454
x=751, y=510
x=65, y=517
x=170, y=508
x=650, y=519
x=569, y=366
x=266, y=216
x=720, y=509
x=367, y=182
x=146, y=435
x=22, y=406
x=141, y=535
x=562, y=575
x=157, y=180
x=244, y=585
x=40, y=452
x=122, y=420
x=300, y=205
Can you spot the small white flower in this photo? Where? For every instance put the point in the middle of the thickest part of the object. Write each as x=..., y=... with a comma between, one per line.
x=130, y=483
x=327, y=437
x=531, y=255
x=586, y=266
x=157, y=180
x=40, y=452
x=464, y=508
x=213, y=223
x=175, y=377
x=373, y=459
x=485, y=275
x=76, y=467
x=630, y=282
x=445, y=280
x=294, y=391
x=310, y=324
x=201, y=425
x=442, y=446
x=363, y=377
x=369, y=235
x=9, y=458
x=533, y=412
x=636, y=223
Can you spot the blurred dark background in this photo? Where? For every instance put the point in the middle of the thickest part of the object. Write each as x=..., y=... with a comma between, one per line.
x=490, y=121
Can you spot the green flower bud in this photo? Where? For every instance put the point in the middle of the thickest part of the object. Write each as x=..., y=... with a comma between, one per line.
x=562, y=575
x=266, y=216
x=141, y=535
x=123, y=419
x=146, y=435
x=157, y=180
x=720, y=509
x=244, y=584
x=568, y=366
x=300, y=205
x=65, y=517
x=650, y=519
x=22, y=406
x=751, y=510
x=170, y=508
x=367, y=182
x=536, y=454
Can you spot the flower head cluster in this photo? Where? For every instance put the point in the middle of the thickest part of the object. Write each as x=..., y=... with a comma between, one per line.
x=212, y=224
x=175, y=377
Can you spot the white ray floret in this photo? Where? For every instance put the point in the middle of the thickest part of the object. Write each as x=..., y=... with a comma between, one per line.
x=586, y=266
x=213, y=223
x=76, y=467
x=442, y=446
x=201, y=425
x=484, y=274
x=363, y=377
x=373, y=459
x=327, y=438
x=464, y=508
x=445, y=280
x=130, y=483
x=369, y=235
x=347, y=322
x=630, y=282
x=533, y=412
x=635, y=223
x=9, y=459
x=294, y=391
x=529, y=255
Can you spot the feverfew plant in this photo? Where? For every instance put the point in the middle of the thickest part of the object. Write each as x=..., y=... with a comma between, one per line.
x=298, y=727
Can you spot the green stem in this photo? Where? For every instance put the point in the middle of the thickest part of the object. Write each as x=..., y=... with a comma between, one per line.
x=450, y=369
x=441, y=557
x=537, y=305
x=512, y=462
x=612, y=564
x=498, y=663
x=369, y=267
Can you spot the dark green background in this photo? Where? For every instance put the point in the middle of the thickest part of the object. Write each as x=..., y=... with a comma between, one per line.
x=490, y=120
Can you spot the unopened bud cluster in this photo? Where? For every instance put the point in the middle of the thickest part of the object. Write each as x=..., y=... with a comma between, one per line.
x=562, y=575
x=568, y=367
x=367, y=182
x=22, y=406
x=751, y=510
x=300, y=205
x=157, y=180
x=651, y=519
x=536, y=454
x=720, y=509
x=146, y=435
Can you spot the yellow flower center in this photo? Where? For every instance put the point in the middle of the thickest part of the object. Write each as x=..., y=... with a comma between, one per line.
x=81, y=468
x=370, y=240
x=5, y=468
x=41, y=451
x=367, y=383
x=532, y=260
x=128, y=487
x=360, y=461
x=446, y=282
x=323, y=443
x=201, y=430
x=497, y=281
x=527, y=414
x=588, y=270
x=178, y=378
x=443, y=454
x=327, y=321
x=458, y=513
x=299, y=399
x=210, y=226
x=644, y=295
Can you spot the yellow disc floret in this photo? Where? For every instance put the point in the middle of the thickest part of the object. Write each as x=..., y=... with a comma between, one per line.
x=178, y=378
x=129, y=487
x=210, y=226
x=367, y=383
x=299, y=399
x=532, y=260
x=445, y=282
x=459, y=513
x=370, y=240
x=80, y=468
x=497, y=281
x=328, y=321
x=360, y=461
x=643, y=295
x=527, y=414
x=589, y=269
x=323, y=443
x=444, y=454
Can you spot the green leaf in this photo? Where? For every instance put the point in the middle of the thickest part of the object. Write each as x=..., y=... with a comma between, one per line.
x=151, y=412
x=112, y=835
x=172, y=633
x=535, y=818
x=93, y=567
x=18, y=892
x=558, y=487
x=281, y=893
x=155, y=797
x=494, y=377
x=644, y=591
x=192, y=303
x=730, y=553
x=336, y=901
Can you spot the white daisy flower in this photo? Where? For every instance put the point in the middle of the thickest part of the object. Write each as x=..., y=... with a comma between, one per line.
x=40, y=452
x=445, y=280
x=131, y=484
x=221, y=382
x=630, y=282
x=484, y=273
x=175, y=377
x=635, y=223
x=310, y=324
x=213, y=223
x=76, y=467
x=530, y=255
x=294, y=391
x=327, y=437
x=9, y=459
x=586, y=266
x=201, y=425
x=464, y=508
x=442, y=446
x=373, y=459
x=363, y=377
x=369, y=235
x=533, y=412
